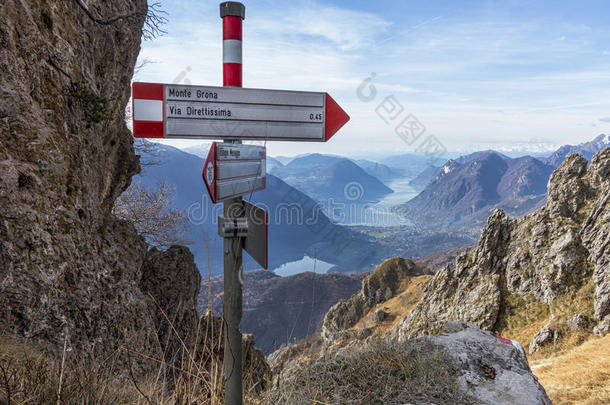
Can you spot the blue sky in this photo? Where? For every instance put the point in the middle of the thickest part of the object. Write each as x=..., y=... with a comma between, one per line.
x=477, y=74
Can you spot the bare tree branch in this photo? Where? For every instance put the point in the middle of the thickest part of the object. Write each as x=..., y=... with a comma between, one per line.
x=110, y=20
x=141, y=65
x=153, y=23
x=155, y=20
x=149, y=212
x=149, y=150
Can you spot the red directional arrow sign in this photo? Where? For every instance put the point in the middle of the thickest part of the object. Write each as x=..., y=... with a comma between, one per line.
x=335, y=117
x=232, y=170
x=180, y=111
x=209, y=173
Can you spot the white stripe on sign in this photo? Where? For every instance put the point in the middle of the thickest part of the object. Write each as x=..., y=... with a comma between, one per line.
x=147, y=110
x=231, y=51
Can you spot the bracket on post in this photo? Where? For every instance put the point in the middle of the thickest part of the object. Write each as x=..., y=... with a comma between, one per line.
x=232, y=227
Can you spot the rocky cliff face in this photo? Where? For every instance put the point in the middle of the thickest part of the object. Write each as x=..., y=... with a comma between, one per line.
x=69, y=270
x=389, y=278
x=71, y=274
x=556, y=259
x=66, y=264
x=170, y=282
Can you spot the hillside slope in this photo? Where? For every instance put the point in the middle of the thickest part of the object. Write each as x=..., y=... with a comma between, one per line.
x=280, y=310
x=296, y=226
x=395, y=283
x=424, y=178
x=555, y=260
x=543, y=280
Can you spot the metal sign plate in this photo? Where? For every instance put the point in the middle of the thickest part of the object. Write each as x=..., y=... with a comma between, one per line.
x=232, y=170
x=188, y=112
x=256, y=243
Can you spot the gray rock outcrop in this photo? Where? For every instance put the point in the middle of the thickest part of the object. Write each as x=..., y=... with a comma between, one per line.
x=486, y=371
x=170, y=281
x=579, y=322
x=381, y=285
x=548, y=334
x=492, y=372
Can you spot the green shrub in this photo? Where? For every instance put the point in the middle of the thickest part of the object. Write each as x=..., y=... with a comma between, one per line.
x=95, y=107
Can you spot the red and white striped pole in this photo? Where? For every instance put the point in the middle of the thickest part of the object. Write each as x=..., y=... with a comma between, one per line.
x=232, y=14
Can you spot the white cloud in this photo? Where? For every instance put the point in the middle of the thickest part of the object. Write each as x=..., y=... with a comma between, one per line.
x=346, y=29
x=471, y=80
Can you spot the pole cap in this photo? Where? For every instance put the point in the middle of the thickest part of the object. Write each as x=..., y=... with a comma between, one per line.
x=232, y=9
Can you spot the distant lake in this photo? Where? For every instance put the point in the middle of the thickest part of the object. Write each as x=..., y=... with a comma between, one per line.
x=377, y=214
x=372, y=214
x=403, y=192
x=300, y=266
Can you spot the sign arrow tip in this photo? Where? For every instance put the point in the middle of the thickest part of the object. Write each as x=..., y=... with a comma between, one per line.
x=336, y=117
x=210, y=172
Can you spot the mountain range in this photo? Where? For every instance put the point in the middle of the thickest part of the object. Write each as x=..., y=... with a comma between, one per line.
x=383, y=172
x=465, y=190
x=331, y=178
x=297, y=224
x=461, y=190
x=461, y=195
x=587, y=149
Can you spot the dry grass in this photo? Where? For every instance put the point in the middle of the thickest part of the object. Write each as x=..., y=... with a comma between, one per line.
x=522, y=317
x=575, y=369
x=412, y=290
x=29, y=374
x=381, y=372
x=580, y=376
